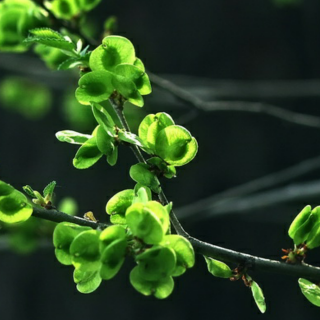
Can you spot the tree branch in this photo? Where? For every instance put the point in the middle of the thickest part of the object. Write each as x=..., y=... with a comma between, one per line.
x=238, y=106
x=204, y=248
x=58, y=216
x=255, y=263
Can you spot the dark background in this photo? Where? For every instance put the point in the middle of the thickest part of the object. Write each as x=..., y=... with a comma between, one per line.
x=218, y=50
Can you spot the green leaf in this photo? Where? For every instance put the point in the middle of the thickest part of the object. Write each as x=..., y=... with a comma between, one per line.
x=313, y=239
x=140, y=173
x=156, y=263
x=310, y=290
x=128, y=90
x=50, y=38
x=46, y=33
x=28, y=190
x=143, y=85
x=95, y=86
x=161, y=289
x=168, y=171
x=5, y=189
x=138, y=63
x=118, y=204
x=87, y=155
x=63, y=235
x=103, y=118
x=218, y=268
x=130, y=138
x=138, y=186
x=258, y=297
x=175, y=145
x=104, y=141
x=302, y=225
x=112, y=258
x=129, y=71
x=161, y=212
x=142, y=195
x=72, y=137
x=70, y=63
x=113, y=158
x=299, y=220
x=183, y=250
x=65, y=9
x=14, y=207
x=113, y=51
x=111, y=234
x=85, y=250
x=136, y=75
x=48, y=190
x=87, y=281
x=88, y=5
x=149, y=221
x=151, y=125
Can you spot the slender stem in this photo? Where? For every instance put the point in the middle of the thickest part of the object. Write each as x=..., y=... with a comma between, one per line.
x=255, y=263
x=117, y=105
x=58, y=216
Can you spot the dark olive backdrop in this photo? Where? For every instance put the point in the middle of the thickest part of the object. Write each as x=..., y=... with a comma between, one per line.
x=217, y=40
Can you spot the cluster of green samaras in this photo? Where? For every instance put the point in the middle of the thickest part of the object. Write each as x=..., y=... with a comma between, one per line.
x=17, y=17
x=142, y=231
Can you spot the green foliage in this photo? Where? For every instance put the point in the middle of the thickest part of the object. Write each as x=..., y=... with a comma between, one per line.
x=183, y=250
x=118, y=205
x=26, y=97
x=45, y=200
x=145, y=223
x=174, y=144
x=16, y=18
x=218, y=268
x=141, y=173
x=51, y=38
x=258, y=297
x=69, y=9
x=14, y=206
x=87, y=155
x=305, y=229
x=113, y=69
x=63, y=235
x=161, y=288
x=310, y=290
x=72, y=137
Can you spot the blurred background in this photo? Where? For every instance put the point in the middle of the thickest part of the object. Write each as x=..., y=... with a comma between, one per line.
x=262, y=52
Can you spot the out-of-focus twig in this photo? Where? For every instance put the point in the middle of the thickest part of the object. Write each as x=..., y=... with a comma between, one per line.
x=217, y=204
x=235, y=106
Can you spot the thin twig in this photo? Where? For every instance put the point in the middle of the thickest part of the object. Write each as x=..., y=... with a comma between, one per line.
x=238, y=106
x=118, y=108
x=255, y=263
x=216, y=204
x=58, y=216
